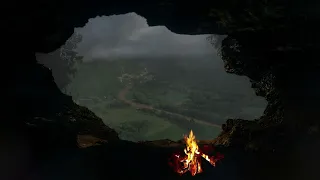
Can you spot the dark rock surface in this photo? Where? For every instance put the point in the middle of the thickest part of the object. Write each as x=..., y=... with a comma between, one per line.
x=279, y=57
x=278, y=43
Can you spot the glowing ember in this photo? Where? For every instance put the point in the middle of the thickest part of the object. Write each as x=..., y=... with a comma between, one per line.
x=191, y=160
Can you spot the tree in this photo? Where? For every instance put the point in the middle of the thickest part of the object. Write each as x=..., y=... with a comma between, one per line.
x=134, y=129
x=216, y=40
x=63, y=61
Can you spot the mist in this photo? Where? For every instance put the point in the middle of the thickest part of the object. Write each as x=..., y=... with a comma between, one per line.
x=127, y=67
x=130, y=36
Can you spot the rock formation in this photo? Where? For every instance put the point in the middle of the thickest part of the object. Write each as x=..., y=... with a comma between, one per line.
x=273, y=42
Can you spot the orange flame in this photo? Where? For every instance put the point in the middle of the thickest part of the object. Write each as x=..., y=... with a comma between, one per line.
x=192, y=159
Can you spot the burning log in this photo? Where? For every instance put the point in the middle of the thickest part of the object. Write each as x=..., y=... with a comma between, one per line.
x=191, y=159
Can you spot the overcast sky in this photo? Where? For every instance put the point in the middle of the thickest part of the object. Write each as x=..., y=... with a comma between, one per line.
x=129, y=35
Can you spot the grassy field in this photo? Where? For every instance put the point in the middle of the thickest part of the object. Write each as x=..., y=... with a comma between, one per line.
x=183, y=87
x=95, y=80
x=199, y=89
x=137, y=126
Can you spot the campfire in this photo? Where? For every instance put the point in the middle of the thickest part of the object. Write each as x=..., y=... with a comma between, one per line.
x=191, y=159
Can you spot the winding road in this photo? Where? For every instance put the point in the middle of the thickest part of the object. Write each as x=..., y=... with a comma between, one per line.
x=122, y=96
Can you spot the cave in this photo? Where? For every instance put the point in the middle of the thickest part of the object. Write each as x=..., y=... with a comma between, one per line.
x=182, y=76
x=274, y=43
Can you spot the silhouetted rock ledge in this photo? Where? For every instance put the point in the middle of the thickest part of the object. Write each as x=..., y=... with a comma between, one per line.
x=49, y=117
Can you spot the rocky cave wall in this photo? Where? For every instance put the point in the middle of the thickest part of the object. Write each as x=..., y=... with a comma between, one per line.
x=271, y=42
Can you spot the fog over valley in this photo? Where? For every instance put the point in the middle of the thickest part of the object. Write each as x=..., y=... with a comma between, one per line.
x=149, y=83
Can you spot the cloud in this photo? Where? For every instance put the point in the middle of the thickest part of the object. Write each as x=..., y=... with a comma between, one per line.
x=129, y=35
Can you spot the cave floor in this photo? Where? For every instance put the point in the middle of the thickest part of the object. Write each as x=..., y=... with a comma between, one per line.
x=125, y=159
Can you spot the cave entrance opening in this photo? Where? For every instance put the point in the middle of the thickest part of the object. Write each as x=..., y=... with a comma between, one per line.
x=149, y=83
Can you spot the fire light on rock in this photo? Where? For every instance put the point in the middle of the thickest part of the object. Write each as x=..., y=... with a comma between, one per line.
x=191, y=159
